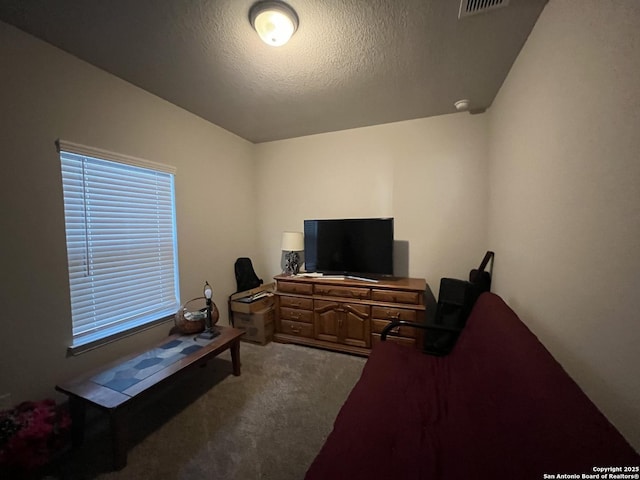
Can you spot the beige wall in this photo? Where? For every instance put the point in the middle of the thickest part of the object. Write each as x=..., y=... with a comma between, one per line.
x=46, y=94
x=429, y=174
x=564, y=210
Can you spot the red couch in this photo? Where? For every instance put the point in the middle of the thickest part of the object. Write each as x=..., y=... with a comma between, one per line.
x=498, y=406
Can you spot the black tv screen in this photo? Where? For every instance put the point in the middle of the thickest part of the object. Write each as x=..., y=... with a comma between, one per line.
x=349, y=246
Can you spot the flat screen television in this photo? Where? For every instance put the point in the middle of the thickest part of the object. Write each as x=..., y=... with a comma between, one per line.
x=353, y=246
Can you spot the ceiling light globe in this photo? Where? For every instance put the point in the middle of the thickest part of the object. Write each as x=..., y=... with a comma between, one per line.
x=275, y=22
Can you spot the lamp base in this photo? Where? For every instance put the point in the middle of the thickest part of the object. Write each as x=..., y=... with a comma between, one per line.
x=208, y=334
x=292, y=267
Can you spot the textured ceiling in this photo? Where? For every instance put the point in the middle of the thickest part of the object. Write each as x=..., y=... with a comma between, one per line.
x=351, y=63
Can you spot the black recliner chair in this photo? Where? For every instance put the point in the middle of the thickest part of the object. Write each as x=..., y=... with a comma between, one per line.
x=455, y=301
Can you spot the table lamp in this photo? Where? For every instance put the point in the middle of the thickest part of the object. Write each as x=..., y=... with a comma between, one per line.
x=209, y=332
x=292, y=243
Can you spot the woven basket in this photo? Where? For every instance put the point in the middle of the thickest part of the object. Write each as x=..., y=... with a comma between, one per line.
x=189, y=325
x=191, y=309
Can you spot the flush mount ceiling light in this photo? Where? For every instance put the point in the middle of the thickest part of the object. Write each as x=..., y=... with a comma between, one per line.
x=275, y=22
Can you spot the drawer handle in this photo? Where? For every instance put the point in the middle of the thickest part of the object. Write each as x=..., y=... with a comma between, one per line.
x=396, y=329
x=294, y=329
x=393, y=316
x=295, y=304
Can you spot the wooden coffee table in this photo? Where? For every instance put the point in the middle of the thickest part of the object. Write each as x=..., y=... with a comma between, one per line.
x=113, y=388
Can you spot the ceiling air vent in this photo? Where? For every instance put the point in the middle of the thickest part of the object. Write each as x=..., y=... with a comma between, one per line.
x=474, y=7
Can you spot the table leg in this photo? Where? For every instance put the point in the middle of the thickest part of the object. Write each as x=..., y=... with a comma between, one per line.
x=119, y=437
x=77, y=410
x=235, y=357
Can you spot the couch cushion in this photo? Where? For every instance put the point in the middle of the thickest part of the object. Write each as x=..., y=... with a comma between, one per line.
x=499, y=406
x=513, y=398
x=386, y=427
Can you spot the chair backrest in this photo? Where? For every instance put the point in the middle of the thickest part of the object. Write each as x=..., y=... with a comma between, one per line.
x=455, y=301
x=246, y=277
x=481, y=278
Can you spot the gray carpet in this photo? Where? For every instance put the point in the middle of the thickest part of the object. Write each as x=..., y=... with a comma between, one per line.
x=268, y=423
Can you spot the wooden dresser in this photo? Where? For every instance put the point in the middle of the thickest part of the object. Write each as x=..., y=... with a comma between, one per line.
x=346, y=315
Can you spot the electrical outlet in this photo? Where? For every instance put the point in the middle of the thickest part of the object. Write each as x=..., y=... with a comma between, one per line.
x=5, y=401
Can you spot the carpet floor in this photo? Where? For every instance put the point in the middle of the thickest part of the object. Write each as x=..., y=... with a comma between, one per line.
x=268, y=423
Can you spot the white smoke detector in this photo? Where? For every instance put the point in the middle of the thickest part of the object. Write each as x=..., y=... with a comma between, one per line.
x=462, y=105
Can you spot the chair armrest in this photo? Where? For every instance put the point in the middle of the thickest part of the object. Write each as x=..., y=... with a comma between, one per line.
x=422, y=326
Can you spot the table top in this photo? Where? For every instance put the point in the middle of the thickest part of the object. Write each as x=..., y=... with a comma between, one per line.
x=111, y=385
x=383, y=282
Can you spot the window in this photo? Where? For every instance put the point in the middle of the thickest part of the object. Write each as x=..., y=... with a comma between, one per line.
x=121, y=243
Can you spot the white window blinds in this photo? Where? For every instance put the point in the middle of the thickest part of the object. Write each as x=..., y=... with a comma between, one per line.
x=121, y=242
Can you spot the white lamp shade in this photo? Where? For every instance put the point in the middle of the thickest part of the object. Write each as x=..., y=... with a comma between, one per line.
x=275, y=22
x=292, y=241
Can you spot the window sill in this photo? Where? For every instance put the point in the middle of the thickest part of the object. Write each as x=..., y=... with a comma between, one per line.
x=80, y=348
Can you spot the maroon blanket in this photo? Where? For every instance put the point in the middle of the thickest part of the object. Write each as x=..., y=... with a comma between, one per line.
x=498, y=407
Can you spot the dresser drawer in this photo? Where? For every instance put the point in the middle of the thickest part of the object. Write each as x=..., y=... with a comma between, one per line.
x=395, y=296
x=296, y=314
x=409, y=342
x=378, y=325
x=295, y=287
x=384, y=313
x=296, y=302
x=297, y=328
x=343, y=292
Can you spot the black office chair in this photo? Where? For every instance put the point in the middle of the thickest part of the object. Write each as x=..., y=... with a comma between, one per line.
x=246, y=279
